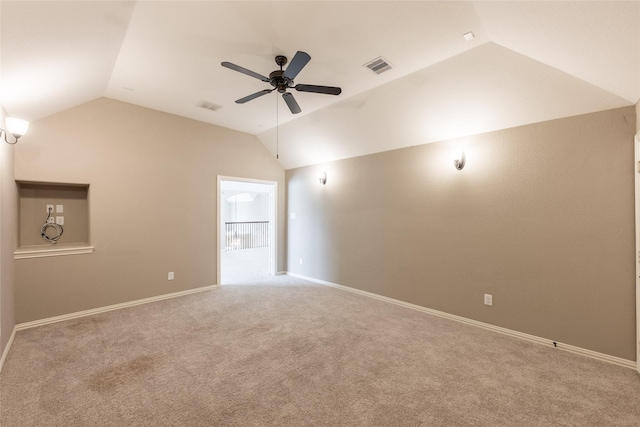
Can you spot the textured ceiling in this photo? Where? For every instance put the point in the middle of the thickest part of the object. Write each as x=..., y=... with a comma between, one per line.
x=529, y=62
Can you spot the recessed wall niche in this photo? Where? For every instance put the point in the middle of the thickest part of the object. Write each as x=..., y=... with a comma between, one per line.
x=70, y=210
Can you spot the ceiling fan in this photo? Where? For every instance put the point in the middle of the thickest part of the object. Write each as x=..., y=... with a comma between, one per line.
x=281, y=80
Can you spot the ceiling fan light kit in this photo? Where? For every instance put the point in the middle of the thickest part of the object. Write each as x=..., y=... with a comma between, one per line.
x=282, y=80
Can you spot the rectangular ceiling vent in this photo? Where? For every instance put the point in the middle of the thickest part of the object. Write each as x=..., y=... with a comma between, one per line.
x=378, y=65
x=209, y=106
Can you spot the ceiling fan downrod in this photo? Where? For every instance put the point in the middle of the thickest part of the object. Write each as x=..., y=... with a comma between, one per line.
x=277, y=79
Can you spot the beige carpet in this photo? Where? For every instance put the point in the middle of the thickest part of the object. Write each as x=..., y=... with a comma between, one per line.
x=244, y=265
x=290, y=353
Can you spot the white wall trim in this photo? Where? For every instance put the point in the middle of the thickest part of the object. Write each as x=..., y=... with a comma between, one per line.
x=636, y=256
x=6, y=349
x=22, y=253
x=98, y=310
x=532, y=338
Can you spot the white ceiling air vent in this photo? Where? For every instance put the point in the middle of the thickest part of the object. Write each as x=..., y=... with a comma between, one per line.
x=378, y=65
x=209, y=106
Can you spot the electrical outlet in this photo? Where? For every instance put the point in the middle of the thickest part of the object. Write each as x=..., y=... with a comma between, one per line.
x=488, y=299
x=60, y=220
x=50, y=209
x=292, y=215
x=300, y=261
x=170, y=275
x=59, y=208
x=51, y=219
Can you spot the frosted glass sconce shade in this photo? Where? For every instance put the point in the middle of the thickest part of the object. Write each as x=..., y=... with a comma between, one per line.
x=15, y=127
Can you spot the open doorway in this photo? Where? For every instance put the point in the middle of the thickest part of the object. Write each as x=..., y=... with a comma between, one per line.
x=246, y=237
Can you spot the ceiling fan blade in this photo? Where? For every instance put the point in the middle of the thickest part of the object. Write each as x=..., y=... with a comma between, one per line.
x=254, y=96
x=296, y=65
x=243, y=70
x=329, y=90
x=291, y=103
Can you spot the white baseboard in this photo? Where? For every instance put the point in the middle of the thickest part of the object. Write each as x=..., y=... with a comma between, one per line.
x=532, y=338
x=6, y=349
x=98, y=310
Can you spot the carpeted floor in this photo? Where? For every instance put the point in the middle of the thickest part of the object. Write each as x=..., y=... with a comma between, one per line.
x=242, y=266
x=288, y=353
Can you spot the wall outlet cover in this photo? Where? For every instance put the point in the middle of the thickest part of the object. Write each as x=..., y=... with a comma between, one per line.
x=488, y=299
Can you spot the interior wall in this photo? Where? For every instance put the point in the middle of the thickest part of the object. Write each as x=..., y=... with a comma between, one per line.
x=35, y=200
x=152, y=182
x=541, y=217
x=8, y=237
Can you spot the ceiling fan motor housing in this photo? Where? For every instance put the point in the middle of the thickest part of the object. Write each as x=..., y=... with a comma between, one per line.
x=277, y=80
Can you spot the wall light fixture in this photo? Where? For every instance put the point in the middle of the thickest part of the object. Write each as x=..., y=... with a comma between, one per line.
x=15, y=127
x=459, y=159
x=322, y=177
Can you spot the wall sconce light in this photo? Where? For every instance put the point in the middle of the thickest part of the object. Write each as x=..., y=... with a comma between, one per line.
x=322, y=177
x=459, y=159
x=15, y=127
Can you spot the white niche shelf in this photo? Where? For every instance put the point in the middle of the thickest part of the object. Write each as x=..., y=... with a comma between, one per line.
x=26, y=252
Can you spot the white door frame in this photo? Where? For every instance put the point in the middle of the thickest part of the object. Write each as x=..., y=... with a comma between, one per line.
x=273, y=223
x=636, y=169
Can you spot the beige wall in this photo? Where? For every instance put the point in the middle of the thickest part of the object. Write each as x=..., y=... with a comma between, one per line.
x=152, y=203
x=8, y=237
x=541, y=217
x=34, y=200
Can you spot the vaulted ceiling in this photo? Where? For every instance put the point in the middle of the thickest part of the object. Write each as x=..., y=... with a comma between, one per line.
x=528, y=62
